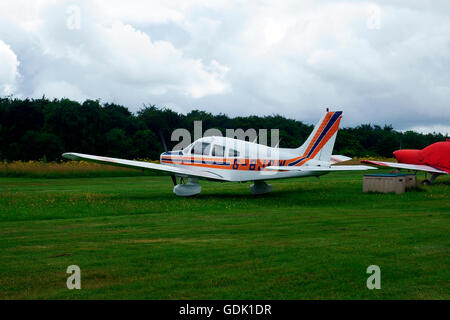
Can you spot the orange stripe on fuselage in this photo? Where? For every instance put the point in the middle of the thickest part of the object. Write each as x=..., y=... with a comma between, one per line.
x=235, y=163
x=199, y=165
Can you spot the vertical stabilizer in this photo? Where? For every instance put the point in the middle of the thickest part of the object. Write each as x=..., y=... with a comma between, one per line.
x=320, y=142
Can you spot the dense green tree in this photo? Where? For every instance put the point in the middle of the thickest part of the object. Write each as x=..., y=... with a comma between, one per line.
x=39, y=145
x=32, y=129
x=117, y=143
x=147, y=145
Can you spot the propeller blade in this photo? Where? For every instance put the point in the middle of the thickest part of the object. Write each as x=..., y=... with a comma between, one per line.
x=174, y=180
x=163, y=141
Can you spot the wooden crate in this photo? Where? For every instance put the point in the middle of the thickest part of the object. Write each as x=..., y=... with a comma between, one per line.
x=387, y=183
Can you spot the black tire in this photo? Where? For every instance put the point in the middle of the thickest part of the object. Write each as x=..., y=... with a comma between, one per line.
x=426, y=182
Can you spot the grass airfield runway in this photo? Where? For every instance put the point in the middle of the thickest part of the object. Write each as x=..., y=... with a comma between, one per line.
x=309, y=239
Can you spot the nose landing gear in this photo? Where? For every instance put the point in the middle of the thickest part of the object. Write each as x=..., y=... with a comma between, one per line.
x=260, y=187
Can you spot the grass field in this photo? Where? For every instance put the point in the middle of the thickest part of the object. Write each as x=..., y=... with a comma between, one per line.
x=309, y=239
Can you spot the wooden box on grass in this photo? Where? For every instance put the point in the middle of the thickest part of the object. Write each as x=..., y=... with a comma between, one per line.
x=389, y=182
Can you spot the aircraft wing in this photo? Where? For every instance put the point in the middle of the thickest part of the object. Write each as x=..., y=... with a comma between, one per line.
x=184, y=172
x=417, y=167
x=317, y=168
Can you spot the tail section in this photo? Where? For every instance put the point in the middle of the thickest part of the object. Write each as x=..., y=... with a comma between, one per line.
x=320, y=142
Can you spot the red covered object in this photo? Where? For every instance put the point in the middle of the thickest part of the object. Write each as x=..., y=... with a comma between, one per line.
x=435, y=155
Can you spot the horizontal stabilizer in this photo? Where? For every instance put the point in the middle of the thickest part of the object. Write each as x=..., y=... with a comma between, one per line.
x=336, y=158
x=317, y=168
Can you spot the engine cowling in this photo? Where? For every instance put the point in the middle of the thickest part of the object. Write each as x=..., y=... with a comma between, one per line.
x=410, y=156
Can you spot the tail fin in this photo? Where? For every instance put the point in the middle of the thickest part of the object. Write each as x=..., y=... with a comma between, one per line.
x=320, y=142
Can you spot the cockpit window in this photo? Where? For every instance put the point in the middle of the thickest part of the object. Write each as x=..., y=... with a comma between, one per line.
x=218, y=151
x=202, y=148
x=187, y=149
x=196, y=148
x=206, y=149
x=233, y=153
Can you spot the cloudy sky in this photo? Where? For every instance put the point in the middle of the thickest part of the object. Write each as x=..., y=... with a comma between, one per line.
x=383, y=62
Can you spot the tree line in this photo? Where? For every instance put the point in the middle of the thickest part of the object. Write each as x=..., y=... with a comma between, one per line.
x=36, y=129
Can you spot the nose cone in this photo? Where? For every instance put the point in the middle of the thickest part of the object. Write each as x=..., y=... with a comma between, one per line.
x=407, y=156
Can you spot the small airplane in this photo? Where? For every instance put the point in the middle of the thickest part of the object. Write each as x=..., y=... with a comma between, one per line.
x=434, y=159
x=226, y=159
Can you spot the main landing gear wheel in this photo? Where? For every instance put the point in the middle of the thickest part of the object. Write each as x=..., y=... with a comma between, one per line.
x=260, y=187
x=427, y=182
x=188, y=189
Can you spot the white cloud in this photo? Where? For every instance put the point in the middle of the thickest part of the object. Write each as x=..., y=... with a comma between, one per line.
x=60, y=89
x=96, y=55
x=445, y=130
x=8, y=70
x=134, y=59
x=382, y=62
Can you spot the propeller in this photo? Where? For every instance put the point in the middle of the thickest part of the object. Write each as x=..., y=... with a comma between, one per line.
x=174, y=180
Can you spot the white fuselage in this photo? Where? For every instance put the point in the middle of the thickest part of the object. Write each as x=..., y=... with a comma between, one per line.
x=237, y=160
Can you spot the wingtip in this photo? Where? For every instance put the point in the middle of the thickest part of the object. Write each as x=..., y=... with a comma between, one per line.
x=69, y=155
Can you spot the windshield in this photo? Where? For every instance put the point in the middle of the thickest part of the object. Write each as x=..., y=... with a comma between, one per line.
x=201, y=148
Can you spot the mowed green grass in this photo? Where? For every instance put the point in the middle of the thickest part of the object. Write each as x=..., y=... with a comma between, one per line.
x=309, y=239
